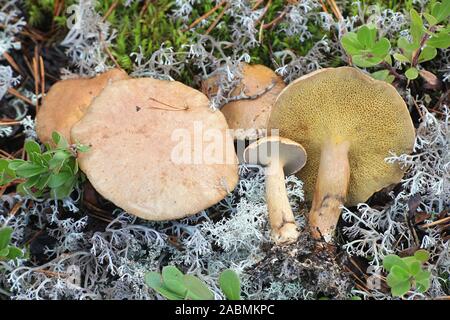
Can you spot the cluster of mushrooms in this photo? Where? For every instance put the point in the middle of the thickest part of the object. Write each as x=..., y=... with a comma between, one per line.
x=336, y=127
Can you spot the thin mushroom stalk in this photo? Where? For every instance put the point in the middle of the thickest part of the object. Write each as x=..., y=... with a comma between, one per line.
x=331, y=190
x=281, y=217
x=280, y=157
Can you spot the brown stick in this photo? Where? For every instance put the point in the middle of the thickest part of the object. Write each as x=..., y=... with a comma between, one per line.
x=282, y=222
x=331, y=190
x=204, y=16
x=216, y=21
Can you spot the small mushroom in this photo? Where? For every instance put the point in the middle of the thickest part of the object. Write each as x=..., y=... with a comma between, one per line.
x=156, y=149
x=247, y=115
x=67, y=101
x=280, y=157
x=348, y=123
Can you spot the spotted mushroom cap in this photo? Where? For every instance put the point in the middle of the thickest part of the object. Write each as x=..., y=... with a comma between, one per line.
x=157, y=150
x=67, y=101
x=344, y=104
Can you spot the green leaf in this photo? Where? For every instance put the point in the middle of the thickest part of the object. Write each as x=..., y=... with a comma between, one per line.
x=43, y=181
x=230, y=285
x=57, y=180
x=173, y=280
x=401, y=58
x=366, y=36
x=32, y=147
x=401, y=288
x=431, y=19
x=400, y=273
x=59, y=140
x=14, y=164
x=422, y=255
x=153, y=280
x=423, y=281
x=365, y=62
x=5, y=236
x=351, y=44
x=439, y=40
x=393, y=260
x=427, y=54
x=441, y=10
x=381, y=48
x=197, y=289
x=4, y=252
x=82, y=148
x=14, y=253
x=31, y=182
x=415, y=267
x=417, y=29
x=412, y=73
x=27, y=170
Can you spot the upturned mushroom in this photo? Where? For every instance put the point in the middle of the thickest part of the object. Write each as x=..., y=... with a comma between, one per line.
x=156, y=149
x=280, y=157
x=247, y=115
x=348, y=123
x=67, y=101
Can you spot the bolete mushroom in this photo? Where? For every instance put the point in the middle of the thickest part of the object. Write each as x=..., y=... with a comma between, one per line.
x=280, y=157
x=67, y=101
x=156, y=149
x=348, y=123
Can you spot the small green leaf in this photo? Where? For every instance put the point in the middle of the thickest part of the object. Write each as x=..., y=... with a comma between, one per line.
x=393, y=260
x=27, y=170
x=351, y=44
x=401, y=58
x=14, y=164
x=417, y=29
x=400, y=273
x=412, y=73
x=422, y=255
x=4, y=252
x=5, y=236
x=59, y=140
x=82, y=148
x=230, y=284
x=32, y=147
x=153, y=280
x=430, y=19
x=427, y=54
x=197, y=289
x=365, y=62
x=423, y=281
x=400, y=289
x=57, y=180
x=14, y=253
x=366, y=36
x=441, y=10
x=173, y=280
x=415, y=268
x=381, y=48
x=439, y=40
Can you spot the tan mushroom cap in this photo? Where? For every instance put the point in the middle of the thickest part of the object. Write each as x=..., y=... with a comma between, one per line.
x=344, y=104
x=136, y=129
x=249, y=117
x=266, y=150
x=67, y=101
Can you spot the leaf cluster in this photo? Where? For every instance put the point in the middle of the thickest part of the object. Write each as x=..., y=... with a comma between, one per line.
x=7, y=251
x=407, y=272
x=55, y=170
x=428, y=31
x=172, y=284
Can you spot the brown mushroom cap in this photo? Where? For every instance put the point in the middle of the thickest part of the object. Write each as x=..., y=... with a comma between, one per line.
x=67, y=101
x=344, y=104
x=131, y=128
x=249, y=117
x=289, y=153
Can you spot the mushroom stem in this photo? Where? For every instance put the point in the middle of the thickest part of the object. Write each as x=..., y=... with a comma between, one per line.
x=331, y=190
x=282, y=222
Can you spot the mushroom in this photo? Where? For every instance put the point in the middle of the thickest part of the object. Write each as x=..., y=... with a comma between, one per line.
x=67, y=101
x=156, y=149
x=280, y=157
x=348, y=124
x=247, y=115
